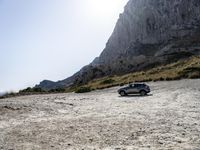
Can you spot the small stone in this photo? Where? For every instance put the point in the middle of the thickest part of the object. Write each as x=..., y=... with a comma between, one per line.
x=91, y=140
x=179, y=141
x=160, y=142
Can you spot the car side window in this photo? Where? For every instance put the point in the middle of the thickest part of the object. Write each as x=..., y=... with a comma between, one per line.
x=138, y=85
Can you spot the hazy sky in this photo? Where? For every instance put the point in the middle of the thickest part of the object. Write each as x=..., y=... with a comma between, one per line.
x=51, y=39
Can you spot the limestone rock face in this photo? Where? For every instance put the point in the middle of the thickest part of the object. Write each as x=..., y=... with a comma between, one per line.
x=151, y=22
x=148, y=33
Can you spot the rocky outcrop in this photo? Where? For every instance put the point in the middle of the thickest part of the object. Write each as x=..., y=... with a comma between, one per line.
x=151, y=24
x=148, y=33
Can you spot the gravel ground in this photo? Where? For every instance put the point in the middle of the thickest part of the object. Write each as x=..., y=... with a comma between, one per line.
x=168, y=118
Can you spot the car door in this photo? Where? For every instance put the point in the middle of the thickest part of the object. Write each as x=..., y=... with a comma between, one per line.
x=128, y=89
x=131, y=89
x=135, y=89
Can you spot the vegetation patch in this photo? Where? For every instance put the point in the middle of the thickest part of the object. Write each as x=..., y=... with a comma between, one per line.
x=83, y=90
x=183, y=69
x=32, y=90
x=188, y=68
x=58, y=90
x=107, y=81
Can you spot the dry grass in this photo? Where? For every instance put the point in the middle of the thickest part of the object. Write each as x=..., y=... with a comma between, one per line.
x=189, y=68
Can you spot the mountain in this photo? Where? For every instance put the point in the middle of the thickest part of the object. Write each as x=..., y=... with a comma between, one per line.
x=147, y=34
x=1, y=94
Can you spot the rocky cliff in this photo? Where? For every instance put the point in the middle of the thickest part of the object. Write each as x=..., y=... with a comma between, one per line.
x=148, y=33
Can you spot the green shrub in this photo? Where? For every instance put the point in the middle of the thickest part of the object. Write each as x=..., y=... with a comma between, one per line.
x=27, y=90
x=194, y=75
x=108, y=81
x=83, y=90
x=177, y=78
x=121, y=84
x=161, y=79
x=58, y=90
x=37, y=90
x=32, y=90
x=190, y=72
x=168, y=79
x=7, y=95
x=155, y=80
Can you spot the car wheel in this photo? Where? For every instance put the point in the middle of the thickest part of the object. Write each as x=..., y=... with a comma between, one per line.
x=143, y=93
x=122, y=93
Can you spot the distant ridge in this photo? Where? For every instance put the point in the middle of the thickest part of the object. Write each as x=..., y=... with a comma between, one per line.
x=1, y=93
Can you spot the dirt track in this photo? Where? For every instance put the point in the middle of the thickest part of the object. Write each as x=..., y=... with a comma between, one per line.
x=169, y=118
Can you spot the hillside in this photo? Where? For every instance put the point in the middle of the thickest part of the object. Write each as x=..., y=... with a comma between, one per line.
x=148, y=33
x=183, y=69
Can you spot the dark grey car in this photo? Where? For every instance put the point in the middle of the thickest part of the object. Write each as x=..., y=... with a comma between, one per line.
x=141, y=89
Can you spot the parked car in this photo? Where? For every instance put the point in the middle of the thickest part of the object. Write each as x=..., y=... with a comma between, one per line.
x=141, y=89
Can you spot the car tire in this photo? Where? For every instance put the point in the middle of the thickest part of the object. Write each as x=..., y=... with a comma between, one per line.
x=143, y=93
x=122, y=93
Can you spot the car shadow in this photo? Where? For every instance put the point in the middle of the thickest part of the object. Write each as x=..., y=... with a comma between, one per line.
x=136, y=95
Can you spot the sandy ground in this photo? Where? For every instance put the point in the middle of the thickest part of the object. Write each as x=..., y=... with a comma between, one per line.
x=168, y=118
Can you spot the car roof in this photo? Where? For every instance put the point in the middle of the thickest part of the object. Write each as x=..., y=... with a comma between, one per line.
x=138, y=84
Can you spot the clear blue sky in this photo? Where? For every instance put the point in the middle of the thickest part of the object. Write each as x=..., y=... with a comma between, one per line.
x=51, y=39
